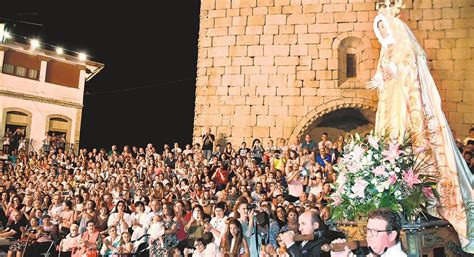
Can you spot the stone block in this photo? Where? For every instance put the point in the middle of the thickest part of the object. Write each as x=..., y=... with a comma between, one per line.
x=286, y=61
x=264, y=60
x=461, y=53
x=313, y=100
x=441, y=3
x=272, y=100
x=223, y=41
x=345, y=16
x=255, y=50
x=285, y=39
x=237, y=51
x=431, y=43
x=232, y=70
x=221, y=51
x=239, y=21
x=457, y=33
x=258, y=20
x=237, y=30
x=222, y=4
x=256, y=110
x=363, y=6
x=326, y=54
x=436, y=34
x=261, y=81
x=308, y=39
x=274, y=10
x=265, y=120
x=362, y=16
x=260, y=11
x=320, y=64
x=279, y=19
x=443, y=64
x=325, y=17
x=268, y=70
x=242, y=61
x=296, y=50
x=312, y=8
x=288, y=91
x=222, y=22
x=278, y=110
x=432, y=14
x=308, y=18
x=329, y=92
x=276, y=50
x=443, y=54
x=214, y=32
x=443, y=24
x=292, y=9
x=270, y=29
x=322, y=28
x=243, y=3
x=363, y=26
x=254, y=30
x=301, y=29
x=286, y=70
x=332, y=7
x=423, y=4
x=264, y=3
x=292, y=100
x=232, y=80
x=463, y=23
x=306, y=75
x=416, y=14
x=251, y=99
x=453, y=95
x=297, y=110
x=233, y=12
x=287, y=29
x=467, y=11
x=208, y=4
x=222, y=61
x=248, y=40
x=450, y=13
x=216, y=13
x=260, y=132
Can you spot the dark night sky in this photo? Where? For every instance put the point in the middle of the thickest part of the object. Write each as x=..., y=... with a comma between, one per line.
x=141, y=46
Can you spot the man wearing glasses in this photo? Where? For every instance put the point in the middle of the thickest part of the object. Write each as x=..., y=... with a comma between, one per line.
x=383, y=235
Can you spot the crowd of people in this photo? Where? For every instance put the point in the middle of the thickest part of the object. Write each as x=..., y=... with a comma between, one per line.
x=196, y=201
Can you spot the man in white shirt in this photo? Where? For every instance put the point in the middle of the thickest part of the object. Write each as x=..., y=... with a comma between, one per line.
x=383, y=235
x=217, y=224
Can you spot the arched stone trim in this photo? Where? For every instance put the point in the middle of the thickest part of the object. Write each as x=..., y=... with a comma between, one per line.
x=357, y=43
x=16, y=109
x=69, y=121
x=328, y=107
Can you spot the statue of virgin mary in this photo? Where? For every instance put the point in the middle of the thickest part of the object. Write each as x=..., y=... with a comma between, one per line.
x=409, y=102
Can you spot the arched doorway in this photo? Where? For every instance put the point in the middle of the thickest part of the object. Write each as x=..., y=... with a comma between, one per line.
x=17, y=127
x=341, y=122
x=58, y=128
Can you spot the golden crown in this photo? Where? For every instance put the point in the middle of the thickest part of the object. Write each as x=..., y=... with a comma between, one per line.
x=390, y=7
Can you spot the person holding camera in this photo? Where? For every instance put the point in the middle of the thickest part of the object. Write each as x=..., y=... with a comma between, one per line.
x=265, y=233
x=195, y=226
x=296, y=180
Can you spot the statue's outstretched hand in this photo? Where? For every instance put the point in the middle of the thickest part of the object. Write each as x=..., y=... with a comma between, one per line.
x=372, y=85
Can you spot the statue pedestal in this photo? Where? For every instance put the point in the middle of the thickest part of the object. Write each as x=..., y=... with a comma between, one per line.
x=419, y=239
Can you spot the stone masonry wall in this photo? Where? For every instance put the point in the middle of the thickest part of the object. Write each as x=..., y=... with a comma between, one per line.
x=269, y=68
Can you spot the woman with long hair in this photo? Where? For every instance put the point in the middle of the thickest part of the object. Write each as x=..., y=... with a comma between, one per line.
x=160, y=246
x=233, y=242
x=120, y=217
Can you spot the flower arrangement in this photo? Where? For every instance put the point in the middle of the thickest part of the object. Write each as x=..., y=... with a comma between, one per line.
x=379, y=173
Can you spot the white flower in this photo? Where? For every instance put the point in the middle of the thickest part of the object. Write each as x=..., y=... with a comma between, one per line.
x=380, y=188
x=397, y=169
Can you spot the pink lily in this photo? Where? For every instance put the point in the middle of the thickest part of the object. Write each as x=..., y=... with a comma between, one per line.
x=411, y=178
x=379, y=170
x=392, y=153
x=428, y=192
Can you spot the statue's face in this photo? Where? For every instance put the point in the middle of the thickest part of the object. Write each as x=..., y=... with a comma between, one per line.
x=382, y=29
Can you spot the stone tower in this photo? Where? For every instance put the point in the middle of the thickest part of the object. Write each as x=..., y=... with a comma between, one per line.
x=284, y=68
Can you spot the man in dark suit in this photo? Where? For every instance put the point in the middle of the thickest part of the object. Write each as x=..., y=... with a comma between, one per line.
x=309, y=221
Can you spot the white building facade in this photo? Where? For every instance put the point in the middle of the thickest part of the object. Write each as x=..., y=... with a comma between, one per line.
x=41, y=93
